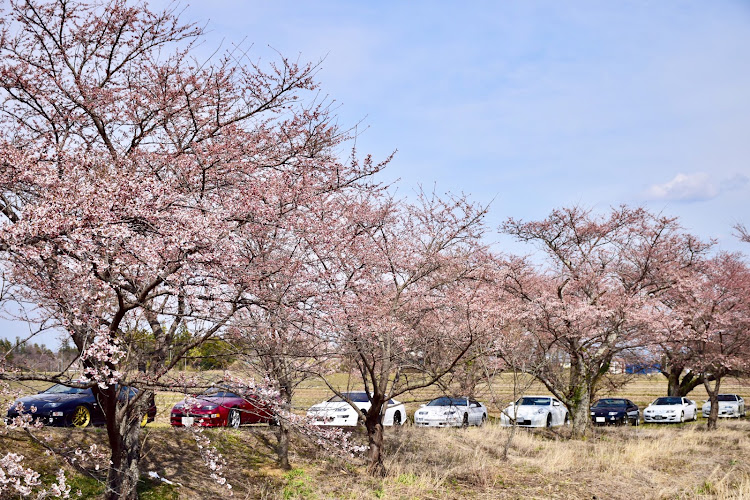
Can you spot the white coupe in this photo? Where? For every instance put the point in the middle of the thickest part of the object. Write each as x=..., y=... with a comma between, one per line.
x=670, y=409
x=336, y=411
x=730, y=405
x=451, y=412
x=535, y=411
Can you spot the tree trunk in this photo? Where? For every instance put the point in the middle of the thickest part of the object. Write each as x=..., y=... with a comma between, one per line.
x=509, y=440
x=282, y=433
x=123, y=432
x=122, y=479
x=282, y=448
x=374, y=426
x=580, y=413
x=680, y=387
x=713, y=397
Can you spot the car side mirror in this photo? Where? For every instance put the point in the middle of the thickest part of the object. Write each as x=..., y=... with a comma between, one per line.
x=474, y=405
x=422, y=405
x=555, y=403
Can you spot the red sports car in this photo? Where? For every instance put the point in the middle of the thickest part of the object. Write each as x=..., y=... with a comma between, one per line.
x=218, y=407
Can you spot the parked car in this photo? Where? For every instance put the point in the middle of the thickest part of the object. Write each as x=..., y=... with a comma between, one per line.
x=615, y=411
x=451, y=412
x=337, y=411
x=220, y=407
x=730, y=405
x=670, y=409
x=535, y=411
x=65, y=406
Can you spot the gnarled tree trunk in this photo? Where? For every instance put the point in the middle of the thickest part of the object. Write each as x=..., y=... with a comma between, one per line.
x=124, y=433
x=374, y=426
x=713, y=397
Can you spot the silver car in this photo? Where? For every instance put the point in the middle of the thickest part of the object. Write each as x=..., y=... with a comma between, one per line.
x=730, y=405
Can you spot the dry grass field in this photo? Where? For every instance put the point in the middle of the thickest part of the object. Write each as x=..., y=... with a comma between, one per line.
x=649, y=461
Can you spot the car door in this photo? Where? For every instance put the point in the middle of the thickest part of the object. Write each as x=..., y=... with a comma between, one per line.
x=689, y=409
x=632, y=411
x=558, y=412
x=475, y=412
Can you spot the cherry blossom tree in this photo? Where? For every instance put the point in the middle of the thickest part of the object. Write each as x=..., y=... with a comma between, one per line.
x=710, y=315
x=404, y=284
x=595, y=299
x=278, y=336
x=132, y=177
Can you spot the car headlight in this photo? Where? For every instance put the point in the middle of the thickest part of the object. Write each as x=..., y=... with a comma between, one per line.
x=593, y=413
x=669, y=411
x=449, y=412
x=341, y=410
x=53, y=405
x=541, y=410
x=209, y=407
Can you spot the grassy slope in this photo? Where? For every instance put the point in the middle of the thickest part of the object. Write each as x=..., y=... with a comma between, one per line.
x=668, y=461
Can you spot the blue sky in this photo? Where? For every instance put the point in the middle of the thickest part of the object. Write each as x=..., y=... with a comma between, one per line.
x=531, y=105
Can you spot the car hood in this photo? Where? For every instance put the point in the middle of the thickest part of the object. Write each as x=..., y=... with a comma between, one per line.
x=664, y=407
x=526, y=410
x=43, y=399
x=607, y=409
x=204, y=401
x=722, y=404
x=441, y=410
x=333, y=406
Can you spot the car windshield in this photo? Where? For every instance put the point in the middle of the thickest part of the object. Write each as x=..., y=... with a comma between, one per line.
x=534, y=401
x=215, y=392
x=610, y=402
x=727, y=397
x=667, y=401
x=356, y=397
x=63, y=389
x=446, y=401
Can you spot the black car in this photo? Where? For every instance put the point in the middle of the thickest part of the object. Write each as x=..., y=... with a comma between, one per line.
x=615, y=411
x=65, y=406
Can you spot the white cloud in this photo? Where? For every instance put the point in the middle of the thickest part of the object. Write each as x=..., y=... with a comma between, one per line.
x=685, y=187
x=698, y=186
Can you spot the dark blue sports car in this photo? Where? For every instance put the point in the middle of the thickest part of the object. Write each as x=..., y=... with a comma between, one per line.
x=65, y=406
x=615, y=411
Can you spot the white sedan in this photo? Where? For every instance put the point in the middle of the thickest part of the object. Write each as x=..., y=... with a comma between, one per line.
x=670, y=409
x=451, y=412
x=535, y=411
x=730, y=405
x=337, y=411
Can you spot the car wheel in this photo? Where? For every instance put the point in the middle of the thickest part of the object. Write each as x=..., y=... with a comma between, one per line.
x=484, y=420
x=625, y=420
x=549, y=420
x=81, y=416
x=682, y=417
x=233, y=419
x=465, y=423
x=397, y=418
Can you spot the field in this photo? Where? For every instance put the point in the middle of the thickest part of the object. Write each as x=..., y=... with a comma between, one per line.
x=667, y=461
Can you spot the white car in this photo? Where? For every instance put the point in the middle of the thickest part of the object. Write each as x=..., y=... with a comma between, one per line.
x=451, y=412
x=535, y=411
x=336, y=411
x=730, y=405
x=670, y=409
